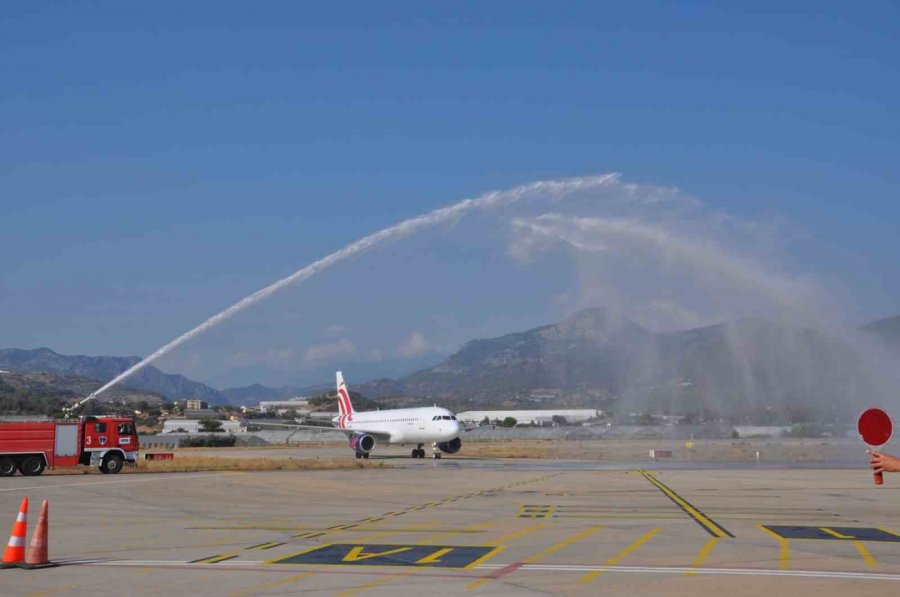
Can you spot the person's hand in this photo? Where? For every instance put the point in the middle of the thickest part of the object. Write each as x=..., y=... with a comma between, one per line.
x=882, y=462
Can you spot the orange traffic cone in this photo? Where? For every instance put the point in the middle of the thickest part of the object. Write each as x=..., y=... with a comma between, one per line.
x=15, y=549
x=36, y=556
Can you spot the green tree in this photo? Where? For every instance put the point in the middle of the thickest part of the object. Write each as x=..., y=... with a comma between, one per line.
x=210, y=425
x=509, y=422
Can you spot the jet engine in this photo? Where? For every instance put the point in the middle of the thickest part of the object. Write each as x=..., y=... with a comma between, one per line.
x=363, y=443
x=451, y=447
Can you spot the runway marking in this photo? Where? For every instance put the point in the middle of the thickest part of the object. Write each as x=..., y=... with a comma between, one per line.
x=618, y=558
x=180, y=477
x=701, y=557
x=269, y=545
x=699, y=517
x=503, y=571
x=834, y=533
x=270, y=585
x=260, y=567
x=530, y=511
x=864, y=553
x=515, y=535
x=442, y=536
x=783, y=552
x=416, y=528
x=216, y=559
x=356, y=554
x=428, y=559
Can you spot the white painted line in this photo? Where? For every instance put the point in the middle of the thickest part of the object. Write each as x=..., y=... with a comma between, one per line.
x=143, y=479
x=820, y=574
x=713, y=571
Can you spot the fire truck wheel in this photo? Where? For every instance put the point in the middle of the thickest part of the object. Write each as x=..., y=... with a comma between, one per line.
x=7, y=467
x=112, y=464
x=32, y=466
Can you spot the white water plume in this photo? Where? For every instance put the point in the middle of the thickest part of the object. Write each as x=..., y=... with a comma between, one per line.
x=722, y=275
x=550, y=188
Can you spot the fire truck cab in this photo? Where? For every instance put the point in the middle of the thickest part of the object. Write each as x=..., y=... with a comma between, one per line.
x=107, y=443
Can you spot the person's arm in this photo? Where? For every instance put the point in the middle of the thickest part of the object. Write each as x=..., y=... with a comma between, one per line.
x=883, y=462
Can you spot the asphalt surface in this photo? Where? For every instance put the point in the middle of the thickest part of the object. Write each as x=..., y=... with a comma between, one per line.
x=465, y=527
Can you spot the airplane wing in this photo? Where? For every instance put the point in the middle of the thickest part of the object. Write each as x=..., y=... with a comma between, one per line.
x=347, y=432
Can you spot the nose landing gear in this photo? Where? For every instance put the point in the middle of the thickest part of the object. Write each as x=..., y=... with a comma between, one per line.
x=435, y=452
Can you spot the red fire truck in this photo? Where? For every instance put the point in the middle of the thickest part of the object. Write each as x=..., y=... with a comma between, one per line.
x=104, y=442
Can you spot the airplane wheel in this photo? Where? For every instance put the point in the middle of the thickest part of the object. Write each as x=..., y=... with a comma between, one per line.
x=436, y=455
x=358, y=455
x=415, y=453
x=421, y=453
x=366, y=455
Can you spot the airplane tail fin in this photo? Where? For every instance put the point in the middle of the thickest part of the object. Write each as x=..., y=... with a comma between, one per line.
x=345, y=407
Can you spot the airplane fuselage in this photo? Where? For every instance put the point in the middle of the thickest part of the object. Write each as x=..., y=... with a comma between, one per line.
x=403, y=425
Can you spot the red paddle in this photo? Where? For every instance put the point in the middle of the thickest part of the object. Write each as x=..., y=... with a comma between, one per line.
x=875, y=429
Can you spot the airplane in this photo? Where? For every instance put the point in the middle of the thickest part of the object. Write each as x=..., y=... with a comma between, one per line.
x=400, y=426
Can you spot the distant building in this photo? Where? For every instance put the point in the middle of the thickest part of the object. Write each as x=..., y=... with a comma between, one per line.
x=761, y=430
x=193, y=426
x=530, y=417
x=203, y=413
x=539, y=394
x=195, y=405
x=268, y=406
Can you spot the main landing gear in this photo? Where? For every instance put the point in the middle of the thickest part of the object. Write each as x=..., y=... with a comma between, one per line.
x=362, y=455
x=418, y=452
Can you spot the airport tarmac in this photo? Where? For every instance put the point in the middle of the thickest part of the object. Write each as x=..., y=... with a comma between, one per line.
x=452, y=527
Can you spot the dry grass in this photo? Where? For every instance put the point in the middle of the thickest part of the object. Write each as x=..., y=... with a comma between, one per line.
x=185, y=463
x=192, y=464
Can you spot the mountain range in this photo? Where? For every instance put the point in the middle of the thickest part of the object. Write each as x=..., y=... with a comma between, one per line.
x=590, y=358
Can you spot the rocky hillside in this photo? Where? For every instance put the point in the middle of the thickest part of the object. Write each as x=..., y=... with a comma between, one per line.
x=748, y=367
x=46, y=393
x=150, y=379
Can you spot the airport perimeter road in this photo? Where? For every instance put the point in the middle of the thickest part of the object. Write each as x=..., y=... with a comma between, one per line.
x=443, y=528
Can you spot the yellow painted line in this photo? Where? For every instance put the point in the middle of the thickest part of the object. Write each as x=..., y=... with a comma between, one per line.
x=890, y=532
x=435, y=558
x=711, y=527
x=218, y=558
x=701, y=557
x=618, y=558
x=358, y=553
x=784, y=553
x=270, y=585
x=864, y=553
x=550, y=550
x=299, y=553
x=835, y=534
x=370, y=585
x=511, y=536
x=447, y=535
x=486, y=557
x=263, y=546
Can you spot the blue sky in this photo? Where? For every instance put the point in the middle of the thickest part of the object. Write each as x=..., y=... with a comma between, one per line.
x=161, y=161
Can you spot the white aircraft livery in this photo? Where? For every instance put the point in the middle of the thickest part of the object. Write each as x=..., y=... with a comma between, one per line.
x=405, y=426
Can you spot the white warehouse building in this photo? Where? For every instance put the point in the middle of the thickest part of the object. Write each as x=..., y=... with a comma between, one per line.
x=267, y=406
x=531, y=417
x=193, y=426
